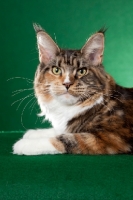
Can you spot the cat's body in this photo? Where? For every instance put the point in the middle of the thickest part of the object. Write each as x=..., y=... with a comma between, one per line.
x=89, y=112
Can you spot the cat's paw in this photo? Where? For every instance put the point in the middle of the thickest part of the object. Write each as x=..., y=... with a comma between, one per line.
x=34, y=147
x=39, y=133
x=33, y=134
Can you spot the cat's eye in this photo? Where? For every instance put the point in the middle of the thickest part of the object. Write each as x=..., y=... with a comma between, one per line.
x=56, y=70
x=81, y=72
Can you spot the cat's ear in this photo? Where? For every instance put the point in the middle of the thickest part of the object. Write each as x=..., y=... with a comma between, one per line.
x=46, y=46
x=93, y=48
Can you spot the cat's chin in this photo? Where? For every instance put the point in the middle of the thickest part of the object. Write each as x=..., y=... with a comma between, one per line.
x=67, y=99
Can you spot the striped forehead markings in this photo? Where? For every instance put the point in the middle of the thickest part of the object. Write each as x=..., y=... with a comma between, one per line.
x=69, y=60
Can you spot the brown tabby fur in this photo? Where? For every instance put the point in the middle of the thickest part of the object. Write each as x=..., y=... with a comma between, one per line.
x=106, y=128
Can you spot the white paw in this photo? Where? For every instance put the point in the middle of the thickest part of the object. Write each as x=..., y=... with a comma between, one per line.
x=34, y=147
x=39, y=133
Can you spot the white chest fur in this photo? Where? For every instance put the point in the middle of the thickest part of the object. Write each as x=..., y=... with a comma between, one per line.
x=59, y=114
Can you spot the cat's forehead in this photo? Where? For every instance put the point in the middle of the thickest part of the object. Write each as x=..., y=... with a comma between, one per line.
x=69, y=52
x=69, y=58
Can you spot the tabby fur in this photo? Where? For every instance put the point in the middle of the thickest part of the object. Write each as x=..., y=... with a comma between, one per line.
x=90, y=113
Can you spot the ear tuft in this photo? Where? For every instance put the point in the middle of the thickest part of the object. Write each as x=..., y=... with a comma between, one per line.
x=37, y=27
x=48, y=49
x=103, y=30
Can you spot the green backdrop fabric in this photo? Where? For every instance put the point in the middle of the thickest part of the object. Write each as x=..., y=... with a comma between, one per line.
x=64, y=177
x=70, y=23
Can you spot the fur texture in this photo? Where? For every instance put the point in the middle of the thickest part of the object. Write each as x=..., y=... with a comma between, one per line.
x=89, y=112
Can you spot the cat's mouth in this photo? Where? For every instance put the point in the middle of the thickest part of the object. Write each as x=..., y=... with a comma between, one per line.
x=68, y=94
x=67, y=98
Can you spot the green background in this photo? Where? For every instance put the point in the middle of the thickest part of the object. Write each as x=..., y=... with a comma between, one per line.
x=64, y=177
x=71, y=22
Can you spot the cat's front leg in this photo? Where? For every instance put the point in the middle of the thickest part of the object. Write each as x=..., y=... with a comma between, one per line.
x=36, y=142
x=31, y=145
x=36, y=147
x=39, y=133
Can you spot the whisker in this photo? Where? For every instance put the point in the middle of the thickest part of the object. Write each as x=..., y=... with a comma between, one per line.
x=107, y=107
x=36, y=119
x=27, y=79
x=32, y=106
x=117, y=98
x=22, y=99
x=23, y=112
x=55, y=38
x=22, y=90
x=39, y=117
x=33, y=52
x=32, y=103
x=113, y=97
x=19, y=91
x=116, y=91
x=33, y=59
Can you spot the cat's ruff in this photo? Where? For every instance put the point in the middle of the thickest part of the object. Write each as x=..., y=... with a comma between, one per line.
x=59, y=114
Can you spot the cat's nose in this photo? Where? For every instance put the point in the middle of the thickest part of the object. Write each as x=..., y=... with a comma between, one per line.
x=67, y=85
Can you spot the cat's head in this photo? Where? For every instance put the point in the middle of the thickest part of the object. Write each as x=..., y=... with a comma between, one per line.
x=70, y=76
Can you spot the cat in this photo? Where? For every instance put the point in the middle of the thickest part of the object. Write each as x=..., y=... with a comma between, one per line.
x=89, y=112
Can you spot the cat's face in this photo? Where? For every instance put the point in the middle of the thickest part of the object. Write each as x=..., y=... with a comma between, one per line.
x=70, y=76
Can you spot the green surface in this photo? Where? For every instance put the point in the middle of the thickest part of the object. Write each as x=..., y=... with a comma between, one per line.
x=72, y=21
x=63, y=177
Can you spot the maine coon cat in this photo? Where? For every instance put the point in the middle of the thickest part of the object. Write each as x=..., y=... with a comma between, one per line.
x=89, y=112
